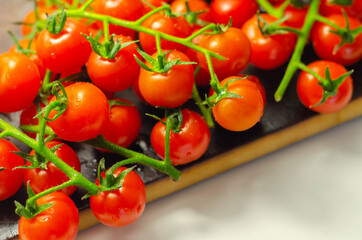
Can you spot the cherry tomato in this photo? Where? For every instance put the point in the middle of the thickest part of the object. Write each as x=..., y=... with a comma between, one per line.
x=354, y=10
x=268, y=52
x=186, y=146
x=124, y=124
x=175, y=26
x=17, y=90
x=239, y=114
x=115, y=74
x=239, y=10
x=170, y=89
x=256, y=80
x=324, y=41
x=123, y=206
x=310, y=92
x=179, y=6
x=233, y=45
x=30, y=18
x=65, y=51
x=42, y=179
x=60, y=221
x=85, y=116
x=129, y=10
x=10, y=179
x=296, y=16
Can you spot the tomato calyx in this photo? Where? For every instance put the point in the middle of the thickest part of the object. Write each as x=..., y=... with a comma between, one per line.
x=342, y=2
x=56, y=21
x=221, y=93
x=2, y=169
x=31, y=208
x=26, y=51
x=161, y=64
x=37, y=161
x=192, y=17
x=117, y=102
x=110, y=48
x=299, y=3
x=330, y=86
x=173, y=117
x=268, y=29
x=59, y=105
x=347, y=35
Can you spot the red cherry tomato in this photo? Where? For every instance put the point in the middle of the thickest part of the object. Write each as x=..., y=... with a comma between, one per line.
x=42, y=179
x=233, y=45
x=296, y=16
x=310, y=92
x=17, y=90
x=268, y=52
x=115, y=74
x=130, y=10
x=170, y=89
x=327, y=7
x=239, y=10
x=122, y=206
x=10, y=179
x=65, y=51
x=186, y=146
x=179, y=6
x=175, y=26
x=60, y=221
x=85, y=116
x=324, y=41
x=256, y=80
x=123, y=126
x=239, y=114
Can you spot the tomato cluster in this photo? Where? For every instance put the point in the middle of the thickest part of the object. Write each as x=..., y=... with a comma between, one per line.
x=68, y=73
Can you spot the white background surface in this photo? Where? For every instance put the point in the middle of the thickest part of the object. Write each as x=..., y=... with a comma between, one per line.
x=311, y=190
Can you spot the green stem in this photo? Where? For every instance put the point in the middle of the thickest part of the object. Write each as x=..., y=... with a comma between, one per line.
x=45, y=152
x=214, y=82
x=149, y=14
x=206, y=112
x=106, y=30
x=135, y=26
x=325, y=20
x=86, y=5
x=161, y=166
x=45, y=85
x=298, y=51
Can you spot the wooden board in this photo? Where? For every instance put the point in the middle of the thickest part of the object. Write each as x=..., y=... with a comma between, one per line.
x=282, y=124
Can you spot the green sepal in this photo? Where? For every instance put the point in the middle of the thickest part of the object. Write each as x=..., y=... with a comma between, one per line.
x=56, y=21
x=347, y=35
x=31, y=209
x=36, y=161
x=298, y=3
x=20, y=49
x=117, y=102
x=268, y=29
x=161, y=64
x=175, y=119
x=330, y=86
x=222, y=93
x=109, y=48
x=343, y=2
x=2, y=169
x=156, y=117
x=61, y=98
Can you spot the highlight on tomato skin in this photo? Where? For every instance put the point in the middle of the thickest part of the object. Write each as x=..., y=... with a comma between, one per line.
x=310, y=92
x=239, y=114
x=186, y=146
x=10, y=179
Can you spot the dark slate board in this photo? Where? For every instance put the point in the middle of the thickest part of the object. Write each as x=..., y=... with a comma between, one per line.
x=277, y=116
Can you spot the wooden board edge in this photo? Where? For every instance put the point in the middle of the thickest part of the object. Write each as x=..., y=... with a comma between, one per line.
x=243, y=154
